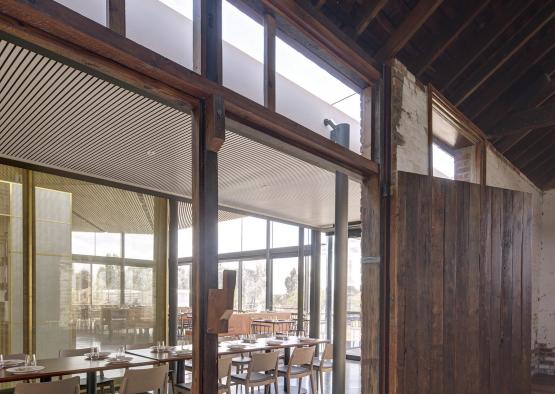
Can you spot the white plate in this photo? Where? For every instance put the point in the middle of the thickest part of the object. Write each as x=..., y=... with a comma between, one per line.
x=11, y=363
x=101, y=356
x=25, y=370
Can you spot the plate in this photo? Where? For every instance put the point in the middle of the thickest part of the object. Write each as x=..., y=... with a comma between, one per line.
x=101, y=356
x=25, y=369
x=11, y=363
x=120, y=360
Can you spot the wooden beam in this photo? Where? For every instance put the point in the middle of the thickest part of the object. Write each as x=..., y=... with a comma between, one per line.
x=270, y=62
x=530, y=55
x=47, y=25
x=320, y=4
x=531, y=160
x=538, y=168
x=408, y=28
x=330, y=40
x=370, y=10
x=502, y=54
x=443, y=40
x=208, y=135
x=535, y=141
x=481, y=42
x=115, y=15
x=534, y=118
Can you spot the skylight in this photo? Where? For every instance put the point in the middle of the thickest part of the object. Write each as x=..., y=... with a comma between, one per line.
x=244, y=33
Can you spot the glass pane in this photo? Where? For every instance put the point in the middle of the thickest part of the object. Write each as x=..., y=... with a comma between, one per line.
x=234, y=266
x=229, y=236
x=92, y=9
x=138, y=286
x=254, y=234
x=139, y=246
x=243, y=53
x=284, y=235
x=254, y=285
x=11, y=264
x=184, y=286
x=185, y=242
x=108, y=244
x=285, y=284
x=353, y=295
x=106, y=285
x=82, y=243
x=172, y=33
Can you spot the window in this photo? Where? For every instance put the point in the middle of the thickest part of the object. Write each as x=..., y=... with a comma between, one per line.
x=253, y=285
x=11, y=261
x=444, y=163
x=233, y=266
x=229, y=236
x=253, y=234
x=139, y=246
x=184, y=286
x=185, y=242
x=285, y=284
x=284, y=235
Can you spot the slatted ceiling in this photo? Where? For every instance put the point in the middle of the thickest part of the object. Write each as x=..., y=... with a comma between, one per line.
x=261, y=179
x=58, y=116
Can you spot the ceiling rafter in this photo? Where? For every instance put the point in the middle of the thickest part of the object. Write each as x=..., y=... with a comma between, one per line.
x=503, y=54
x=535, y=160
x=408, y=28
x=538, y=171
x=537, y=140
x=534, y=118
x=530, y=55
x=370, y=10
x=445, y=39
x=482, y=40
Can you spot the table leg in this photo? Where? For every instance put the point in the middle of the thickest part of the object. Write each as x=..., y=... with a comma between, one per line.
x=287, y=351
x=180, y=371
x=91, y=382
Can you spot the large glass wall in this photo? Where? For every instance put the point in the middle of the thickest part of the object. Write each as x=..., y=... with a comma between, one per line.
x=11, y=260
x=96, y=271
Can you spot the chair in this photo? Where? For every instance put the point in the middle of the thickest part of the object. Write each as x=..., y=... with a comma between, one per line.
x=300, y=365
x=102, y=383
x=262, y=371
x=224, y=372
x=323, y=364
x=67, y=386
x=137, y=381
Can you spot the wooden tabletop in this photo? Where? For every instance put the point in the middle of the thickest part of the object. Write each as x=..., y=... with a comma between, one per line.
x=223, y=349
x=70, y=366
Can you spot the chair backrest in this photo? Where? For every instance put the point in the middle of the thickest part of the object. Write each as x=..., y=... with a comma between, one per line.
x=139, y=346
x=140, y=380
x=261, y=362
x=302, y=356
x=224, y=367
x=327, y=354
x=66, y=386
x=74, y=352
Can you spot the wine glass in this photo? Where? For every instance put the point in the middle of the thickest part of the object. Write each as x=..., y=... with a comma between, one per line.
x=33, y=360
x=1, y=361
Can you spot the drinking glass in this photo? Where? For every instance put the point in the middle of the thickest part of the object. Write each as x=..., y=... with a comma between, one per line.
x=34, y=360
x=94, y=353
x=27, y=360
x=1, y=361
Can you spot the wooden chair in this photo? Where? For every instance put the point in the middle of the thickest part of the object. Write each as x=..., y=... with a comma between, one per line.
x=67, y=386
x=300, y=365
x=136, y=381
x=323, y=364
x=102, y=383
x=224, y=372
x=262, y=371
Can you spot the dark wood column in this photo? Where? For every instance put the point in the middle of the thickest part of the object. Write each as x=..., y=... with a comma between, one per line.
x=208, y=135
x=315, y=247
x=270, y=61
x=115, y=15
x=300, y=284
x=173, y=270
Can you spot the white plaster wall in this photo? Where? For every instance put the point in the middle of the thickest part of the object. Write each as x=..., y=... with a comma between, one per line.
x=546, y=280
x=409, y=118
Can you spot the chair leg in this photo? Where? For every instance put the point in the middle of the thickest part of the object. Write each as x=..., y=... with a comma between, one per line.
x=312, y=385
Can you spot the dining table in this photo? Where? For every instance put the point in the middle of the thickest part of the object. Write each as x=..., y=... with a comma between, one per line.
x=180, y=354
x=63, y=366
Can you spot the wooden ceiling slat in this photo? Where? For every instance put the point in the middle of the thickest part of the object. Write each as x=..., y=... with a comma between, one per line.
x=534, y=118
x=370, y=10
x=501, y=55
x=410, y=25
x=534, y=161
x=444, y=39
x=530, y=55
x=482, y=40
x=530, y=143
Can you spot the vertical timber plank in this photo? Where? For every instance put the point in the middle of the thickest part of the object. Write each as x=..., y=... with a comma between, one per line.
x=270, y=61
x=485, y=289
x=526, y=293
x=516, y=326
x=436, y=277
x=506, y=293
x=115, y=16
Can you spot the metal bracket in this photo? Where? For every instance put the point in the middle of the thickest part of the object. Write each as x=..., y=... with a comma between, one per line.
x=371, y=260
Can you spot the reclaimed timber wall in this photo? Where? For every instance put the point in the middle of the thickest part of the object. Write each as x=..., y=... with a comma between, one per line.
x=461, y=288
